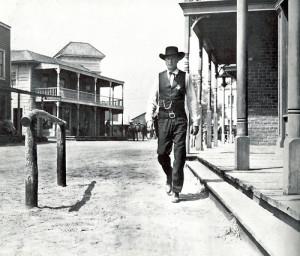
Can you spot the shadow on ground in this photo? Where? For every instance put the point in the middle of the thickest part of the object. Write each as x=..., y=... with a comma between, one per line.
x=194, y=197
x=76, y=207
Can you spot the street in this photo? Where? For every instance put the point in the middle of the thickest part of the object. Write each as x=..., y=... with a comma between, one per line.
x=114, y=204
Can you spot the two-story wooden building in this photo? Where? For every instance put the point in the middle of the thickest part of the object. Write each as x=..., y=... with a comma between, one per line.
x=74, y=77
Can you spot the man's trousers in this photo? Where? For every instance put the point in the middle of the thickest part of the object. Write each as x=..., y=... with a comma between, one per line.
x=172, y=131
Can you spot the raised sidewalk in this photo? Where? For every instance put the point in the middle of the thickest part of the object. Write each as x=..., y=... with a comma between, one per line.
x=255, y=197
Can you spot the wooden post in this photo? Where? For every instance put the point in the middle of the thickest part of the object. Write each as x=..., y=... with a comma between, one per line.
x=282, y=74
x=187, y=33
x=78, y=120
x=291, y=181
x=230, y=123
x=95, y=120
x=242, y=142
x=199, y=137
x=123, y=133
x=31, y=167
x=216, y=107
x=61, y=155
x=19, y=117
x=112, y=122
x=58, y=81
x=208, y=121
x=223, y=109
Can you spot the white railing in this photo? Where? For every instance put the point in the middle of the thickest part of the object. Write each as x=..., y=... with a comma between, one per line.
x=86, y=97
x=51, y=91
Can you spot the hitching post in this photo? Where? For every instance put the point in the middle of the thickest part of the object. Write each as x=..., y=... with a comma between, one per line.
x=61, y=155
x=31, y=167
x=31, y=180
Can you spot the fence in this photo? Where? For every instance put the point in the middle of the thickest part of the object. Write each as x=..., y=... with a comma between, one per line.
x=31, y=167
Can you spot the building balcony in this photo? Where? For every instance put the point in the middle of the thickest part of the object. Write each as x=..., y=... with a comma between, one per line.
x=79, y=97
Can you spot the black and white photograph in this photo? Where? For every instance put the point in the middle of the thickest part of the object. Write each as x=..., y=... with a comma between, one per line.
x=150, y=127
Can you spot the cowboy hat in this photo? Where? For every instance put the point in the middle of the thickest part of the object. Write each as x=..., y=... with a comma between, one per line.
x=172, y=50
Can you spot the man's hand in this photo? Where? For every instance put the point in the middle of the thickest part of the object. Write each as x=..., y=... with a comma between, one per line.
x=149, y=125
x=194, y=129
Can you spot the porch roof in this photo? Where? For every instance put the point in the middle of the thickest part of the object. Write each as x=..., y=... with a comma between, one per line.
x=214, y=23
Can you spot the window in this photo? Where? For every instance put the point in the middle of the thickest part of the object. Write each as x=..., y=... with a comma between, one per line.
x=2, y=63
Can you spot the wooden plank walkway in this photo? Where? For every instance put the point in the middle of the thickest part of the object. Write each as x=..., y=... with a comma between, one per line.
x=264, y=179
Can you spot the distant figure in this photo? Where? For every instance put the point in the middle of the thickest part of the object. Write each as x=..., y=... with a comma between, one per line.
x=167, y=102
x=131, y=131
x=108, y=128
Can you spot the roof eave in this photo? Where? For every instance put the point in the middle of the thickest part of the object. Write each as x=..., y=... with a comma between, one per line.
x=207, y=7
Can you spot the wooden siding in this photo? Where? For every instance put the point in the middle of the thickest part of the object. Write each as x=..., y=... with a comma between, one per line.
x=5, y=105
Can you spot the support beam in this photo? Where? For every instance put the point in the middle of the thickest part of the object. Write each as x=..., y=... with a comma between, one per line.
x=78, y=120
x=78, y=86
x=123, y=133
x=58, y=81
x=95, y=120
x=19, y=117
x=291, y=181
x=216, y=107
x=242, y=142
x=231, y=116
x=223, y=109
x=187, y=34
x=199, y=137
x=282, y=74
x=209, y=114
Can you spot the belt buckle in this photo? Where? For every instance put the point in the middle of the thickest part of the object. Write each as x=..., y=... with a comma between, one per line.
x=172, y=115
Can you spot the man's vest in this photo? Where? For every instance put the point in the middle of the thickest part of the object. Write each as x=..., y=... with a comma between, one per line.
x=171, y=97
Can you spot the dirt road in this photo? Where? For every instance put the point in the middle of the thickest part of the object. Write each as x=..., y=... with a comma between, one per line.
x=114, y=204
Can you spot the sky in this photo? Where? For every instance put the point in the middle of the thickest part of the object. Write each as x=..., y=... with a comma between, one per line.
x=131, y=33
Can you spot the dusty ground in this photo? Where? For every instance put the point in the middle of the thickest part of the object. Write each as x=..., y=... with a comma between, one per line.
x=114, y=204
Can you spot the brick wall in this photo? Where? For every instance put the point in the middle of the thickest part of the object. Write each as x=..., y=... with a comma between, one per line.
x=262, y=78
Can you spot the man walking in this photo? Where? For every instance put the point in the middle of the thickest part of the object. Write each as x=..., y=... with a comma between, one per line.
x=171, y=92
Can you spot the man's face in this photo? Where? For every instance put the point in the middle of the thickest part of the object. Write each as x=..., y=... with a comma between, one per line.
x=171, y=62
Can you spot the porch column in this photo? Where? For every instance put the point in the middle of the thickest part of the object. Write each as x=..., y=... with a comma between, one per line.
x=113, y=95
x=123, y=134
x=187, y=34
x=95, y=89
x=291, y=161
x=208, y=122
x=282, y=74
x=216, y=107
x=242, y=142
x=58, y=81
x=58, y=114
x=78, y=120
x=78, y=86
x=112, y=122
x=110, y=85
x=230, y=123
x=223, y=109
x=95, y=108
x=199, y=137
x=95, y=120
x=19, y=117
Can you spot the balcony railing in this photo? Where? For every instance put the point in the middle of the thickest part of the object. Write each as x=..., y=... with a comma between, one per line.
x=81, y=97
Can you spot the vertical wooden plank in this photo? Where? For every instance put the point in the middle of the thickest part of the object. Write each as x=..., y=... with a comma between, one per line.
x=61, y=155
x=31, y=167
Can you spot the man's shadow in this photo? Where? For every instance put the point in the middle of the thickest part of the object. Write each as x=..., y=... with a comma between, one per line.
x=194, y=196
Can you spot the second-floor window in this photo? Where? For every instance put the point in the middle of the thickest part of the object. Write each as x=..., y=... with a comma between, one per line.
x=2, y=63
